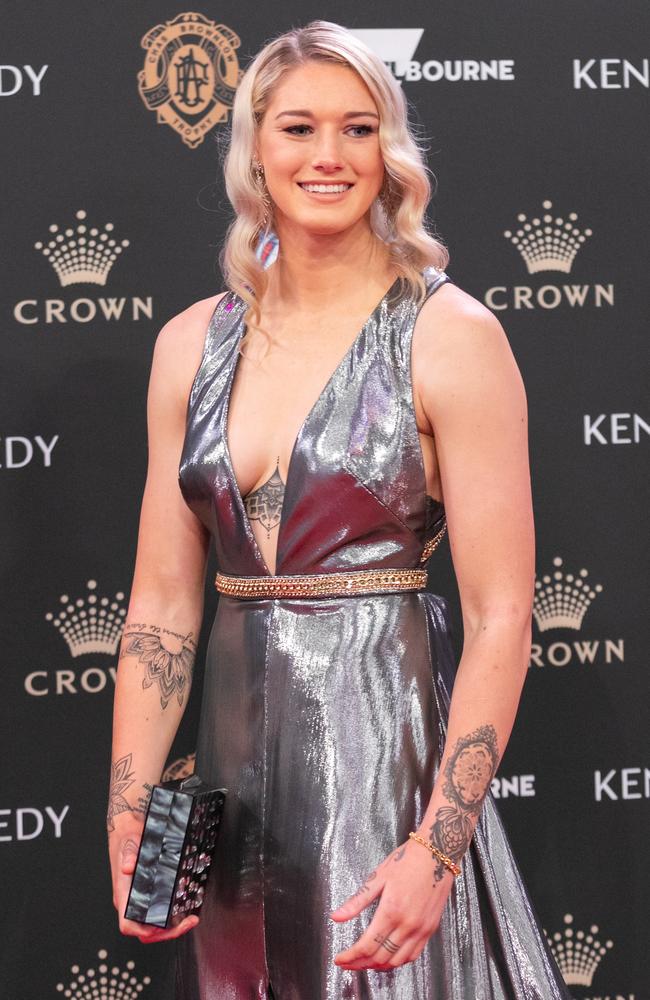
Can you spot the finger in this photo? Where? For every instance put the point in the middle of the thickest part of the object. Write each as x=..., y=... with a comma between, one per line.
x=167, y=934
x=387, y=946
x=381, y=926
x=365, y=894
x=373, y=954
x=128, y=855
x=136, y=929
x=399, y=954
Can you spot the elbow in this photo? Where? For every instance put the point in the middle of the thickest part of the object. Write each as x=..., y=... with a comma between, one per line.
x=506, y=627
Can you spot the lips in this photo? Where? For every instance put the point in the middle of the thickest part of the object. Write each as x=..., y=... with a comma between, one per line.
x=318, y=187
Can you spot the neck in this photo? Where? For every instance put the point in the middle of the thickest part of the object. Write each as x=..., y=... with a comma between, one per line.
x=315, y=271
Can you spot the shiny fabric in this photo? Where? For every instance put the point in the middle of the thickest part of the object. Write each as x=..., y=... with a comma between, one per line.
x=325, y=718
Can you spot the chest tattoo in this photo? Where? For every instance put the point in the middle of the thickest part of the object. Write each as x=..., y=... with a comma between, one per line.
x=265, y=503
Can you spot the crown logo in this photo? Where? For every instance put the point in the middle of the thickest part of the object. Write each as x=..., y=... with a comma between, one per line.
x=104, y=982
x=547, y=243
x=578, y=955
x=81, y=254
x=91, y=625
x=562, y=600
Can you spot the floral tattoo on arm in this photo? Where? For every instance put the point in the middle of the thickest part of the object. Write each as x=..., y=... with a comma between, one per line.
x=468, y=773
x=167, y=657
x=122, y=777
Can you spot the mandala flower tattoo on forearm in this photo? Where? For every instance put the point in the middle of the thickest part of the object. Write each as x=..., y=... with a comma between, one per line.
x=122, y=777
x=469, y=771
x=168, y=658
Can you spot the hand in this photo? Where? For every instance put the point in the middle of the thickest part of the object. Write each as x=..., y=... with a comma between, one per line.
x=123, y=844
x=408, y=913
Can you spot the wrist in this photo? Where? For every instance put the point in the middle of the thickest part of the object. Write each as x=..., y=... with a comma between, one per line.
x=126, y=822
x=445, y=860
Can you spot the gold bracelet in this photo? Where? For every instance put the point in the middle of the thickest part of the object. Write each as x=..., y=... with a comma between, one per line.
x=447, y=862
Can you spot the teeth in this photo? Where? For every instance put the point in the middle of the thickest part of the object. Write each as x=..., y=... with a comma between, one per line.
x=326, y=188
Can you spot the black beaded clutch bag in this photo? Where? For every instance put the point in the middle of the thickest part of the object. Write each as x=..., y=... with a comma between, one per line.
x=176, y=850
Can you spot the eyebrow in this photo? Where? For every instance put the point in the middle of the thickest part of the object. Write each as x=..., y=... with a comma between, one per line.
x=303, y=113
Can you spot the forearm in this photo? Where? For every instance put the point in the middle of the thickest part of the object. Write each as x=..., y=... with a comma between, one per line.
x=153, y=683
x=483, y=707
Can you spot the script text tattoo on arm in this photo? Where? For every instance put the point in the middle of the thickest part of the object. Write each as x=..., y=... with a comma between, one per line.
x=167, y=656
x=468, y=772
x=121, y=779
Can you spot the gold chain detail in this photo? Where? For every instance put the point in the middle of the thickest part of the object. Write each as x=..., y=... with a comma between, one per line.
x=447, y=862
x=433, y=543
x=366, y=581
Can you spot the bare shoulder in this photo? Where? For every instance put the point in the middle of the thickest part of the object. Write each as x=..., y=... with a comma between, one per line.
x=185, y=332
x=455, y=324
x=461, y=353
x=179, y=344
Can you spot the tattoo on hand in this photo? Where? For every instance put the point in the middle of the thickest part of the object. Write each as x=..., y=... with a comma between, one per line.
x=130, y=845
x=469, y=771
x=365, y=887
x=399, y=853
x=386, y=943
x=168, y=658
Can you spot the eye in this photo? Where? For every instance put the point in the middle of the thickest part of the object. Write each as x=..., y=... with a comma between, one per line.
x=366, y=129
x=292, y=127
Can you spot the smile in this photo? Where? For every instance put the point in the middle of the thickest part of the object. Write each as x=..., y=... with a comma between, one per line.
x=325, y=188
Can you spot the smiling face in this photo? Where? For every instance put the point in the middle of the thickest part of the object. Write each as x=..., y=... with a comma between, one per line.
x=319, y=146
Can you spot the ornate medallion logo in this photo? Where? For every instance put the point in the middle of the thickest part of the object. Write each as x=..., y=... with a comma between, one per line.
x=190, y=74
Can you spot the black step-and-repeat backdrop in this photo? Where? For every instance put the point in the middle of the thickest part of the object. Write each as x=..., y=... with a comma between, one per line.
x=113, y=212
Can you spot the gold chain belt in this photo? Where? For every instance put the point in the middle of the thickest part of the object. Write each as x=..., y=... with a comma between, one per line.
x=433, y=543
x=338, y=584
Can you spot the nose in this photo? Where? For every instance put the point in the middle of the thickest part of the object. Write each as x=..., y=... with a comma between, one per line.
x=327, y=153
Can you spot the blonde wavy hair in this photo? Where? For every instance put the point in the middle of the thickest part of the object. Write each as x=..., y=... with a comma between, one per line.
x=397, y=217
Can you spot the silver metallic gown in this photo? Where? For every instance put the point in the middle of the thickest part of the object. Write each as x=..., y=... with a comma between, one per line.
x=325, y=718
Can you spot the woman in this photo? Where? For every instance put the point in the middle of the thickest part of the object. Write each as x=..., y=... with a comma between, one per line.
x=338, y=395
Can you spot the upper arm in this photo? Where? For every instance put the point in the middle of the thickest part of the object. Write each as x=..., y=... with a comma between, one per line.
x=172, y=542
x=473, y=395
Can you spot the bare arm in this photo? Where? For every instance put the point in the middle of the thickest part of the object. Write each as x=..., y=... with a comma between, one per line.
x=472, y=394
x=474, y=397
x=158, y=646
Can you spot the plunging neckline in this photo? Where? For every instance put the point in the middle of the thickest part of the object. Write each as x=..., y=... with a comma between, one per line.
x=301, y=430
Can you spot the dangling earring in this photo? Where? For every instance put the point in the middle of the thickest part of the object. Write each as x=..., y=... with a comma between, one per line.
x=266, y=199
x=268, y=243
